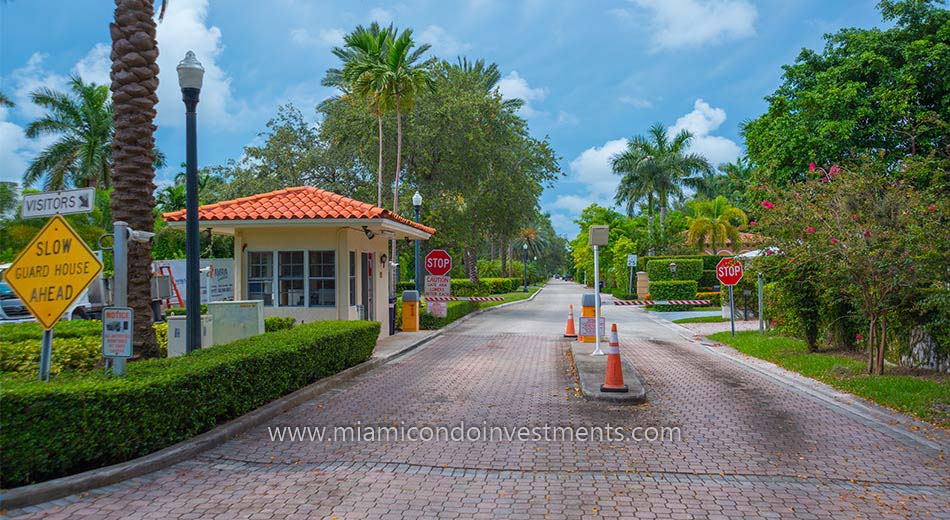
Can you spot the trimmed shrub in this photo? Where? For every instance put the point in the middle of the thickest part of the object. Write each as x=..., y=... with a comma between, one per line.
x=23, y=357
x=275, y=323
x=708, y=280
x=622, y=294
x=180, y=311
x=161, y=336
x=405, y=286
x=453, y=311
x=686, y=269
x=713, y=297
x=27, y=330
x=72, y=424
x=673, y=290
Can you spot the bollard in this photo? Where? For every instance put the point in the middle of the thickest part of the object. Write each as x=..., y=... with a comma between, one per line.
x=410, y=311
x=588, y=302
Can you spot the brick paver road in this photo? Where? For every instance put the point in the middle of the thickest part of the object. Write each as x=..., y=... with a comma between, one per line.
x=750, y=447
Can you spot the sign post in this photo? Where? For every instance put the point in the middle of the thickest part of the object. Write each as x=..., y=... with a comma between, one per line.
x=49, y=275
x=438, y=263
x=117, y=332
x=599, y=236
x=631, y=263
x=729, y=272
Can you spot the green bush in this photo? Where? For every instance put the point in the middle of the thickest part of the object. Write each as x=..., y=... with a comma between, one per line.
x=72, y=424
x=180, y=311
x=709, y=261
x=686, y=269
x=622, y=294
x=12, y=332
x=405, y=286
x=454, y=311
x=708, y=280
x=23, y=357
x=673, y=290
x=275, y=323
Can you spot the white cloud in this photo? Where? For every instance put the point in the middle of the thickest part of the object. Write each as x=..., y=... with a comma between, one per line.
x=443, y=44
x=26, y=79
x=96, y=65
x=184, y=29
x=691, y=23
x=592, y=168
x=514, y=86
x=573, y=204
x=636, y=102
x=324, y=37
x=567, y=118
x=378, y=14
x=564, y=225
x=701, y=122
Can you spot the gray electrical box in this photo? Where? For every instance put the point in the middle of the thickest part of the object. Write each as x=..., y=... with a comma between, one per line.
x=599, y=235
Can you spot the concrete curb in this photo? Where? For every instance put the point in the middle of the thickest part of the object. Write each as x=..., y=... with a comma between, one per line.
x=33, y=494
x=590, y=372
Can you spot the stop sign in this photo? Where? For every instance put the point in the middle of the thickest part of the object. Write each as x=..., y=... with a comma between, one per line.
x=438, y=262
x=729, y=271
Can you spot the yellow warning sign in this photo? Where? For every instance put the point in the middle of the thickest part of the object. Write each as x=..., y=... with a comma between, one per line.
x=53, y=271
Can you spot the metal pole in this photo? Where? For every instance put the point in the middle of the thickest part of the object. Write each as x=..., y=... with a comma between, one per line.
x=524, y=264
x=192, y=247
x=597, y=351
x=45, y=354
x=761, y=305
x=120, y=270
x=630, y=282
x=418, y=265
x=732, y=313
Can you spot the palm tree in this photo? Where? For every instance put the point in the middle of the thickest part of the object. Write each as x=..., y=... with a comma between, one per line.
x=82, y=120
x=5, y=101
x=715, y=222
x=134, y=82
x=738, y=176
x=362, y=48
x=666, y=161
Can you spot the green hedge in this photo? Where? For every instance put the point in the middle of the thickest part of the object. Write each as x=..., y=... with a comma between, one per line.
x=622, y=294
x=275, y=323
x=708, y=280
x=713, y=297
x=453, y=311
x=180, y=311
x=686, y=269
x=22, y=331
x=709, y=261
x=673, y=290
x=72, y=424
x=464, y=287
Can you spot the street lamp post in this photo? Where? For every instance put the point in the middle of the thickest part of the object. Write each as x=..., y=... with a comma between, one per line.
x=190, y=74
x=525, y=265
x=417, y=205
x=673, y=270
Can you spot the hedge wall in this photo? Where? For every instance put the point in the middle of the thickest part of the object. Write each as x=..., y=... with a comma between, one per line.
x=686, y=269
x=673, y=290
x=49, y=430
x=708, y=280
x=709, y=261
x=453, y=311
x=464, y=287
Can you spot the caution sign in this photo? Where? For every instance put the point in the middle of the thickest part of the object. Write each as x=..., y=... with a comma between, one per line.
x=52, y=272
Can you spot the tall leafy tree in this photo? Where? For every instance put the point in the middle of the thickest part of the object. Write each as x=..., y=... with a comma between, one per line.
x=82, y=122
x=869, y=91
x=134, y=82
x=715, y=222
x=364, y=50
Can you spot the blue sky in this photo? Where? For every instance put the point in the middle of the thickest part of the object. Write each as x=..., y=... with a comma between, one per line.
x=592, y=73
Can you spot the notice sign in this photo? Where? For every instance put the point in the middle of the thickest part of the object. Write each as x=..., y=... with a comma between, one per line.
x=438, y=286
x=117, y=332
x=52, y=272
x=64, y=202
x=587, y=327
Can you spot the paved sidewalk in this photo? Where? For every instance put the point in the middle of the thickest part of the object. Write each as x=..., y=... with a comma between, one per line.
x=749, y=446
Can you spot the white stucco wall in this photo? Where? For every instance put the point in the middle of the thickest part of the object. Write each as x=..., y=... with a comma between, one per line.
x=342, y=240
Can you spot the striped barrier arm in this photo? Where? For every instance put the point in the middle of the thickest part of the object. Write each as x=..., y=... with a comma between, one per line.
x=661, y=302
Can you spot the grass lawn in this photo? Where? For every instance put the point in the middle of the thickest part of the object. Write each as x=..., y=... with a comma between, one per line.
x=511, y=297
x=920, y=393
x=702, y=319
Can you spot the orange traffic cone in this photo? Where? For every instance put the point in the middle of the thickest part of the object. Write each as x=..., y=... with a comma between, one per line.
x=570, y=332
x=613, y=380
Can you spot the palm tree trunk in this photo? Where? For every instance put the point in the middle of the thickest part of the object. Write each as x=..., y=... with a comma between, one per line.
x=392, y=256
x=134, y=82
x=379, y=168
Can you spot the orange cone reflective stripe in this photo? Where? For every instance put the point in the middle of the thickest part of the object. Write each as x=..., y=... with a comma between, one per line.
x=613, y=379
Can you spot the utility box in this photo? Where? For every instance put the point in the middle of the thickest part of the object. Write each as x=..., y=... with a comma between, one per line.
x=177, y=332
x=410, y=311
x=236, y=320
x=599, y=235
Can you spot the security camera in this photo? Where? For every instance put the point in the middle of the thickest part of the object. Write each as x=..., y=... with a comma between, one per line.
x=140, y=236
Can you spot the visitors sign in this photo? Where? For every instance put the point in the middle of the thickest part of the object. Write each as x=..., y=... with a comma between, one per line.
x=438, y=262
x=65, y=202
x=52, y=271
x=729, y=271
x=117, y=332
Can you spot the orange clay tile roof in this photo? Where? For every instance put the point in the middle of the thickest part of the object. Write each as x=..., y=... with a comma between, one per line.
x=302, y=202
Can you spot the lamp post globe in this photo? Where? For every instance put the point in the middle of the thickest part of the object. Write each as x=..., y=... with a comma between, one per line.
x=673, y=270
x=417, y=206
x=190, y=76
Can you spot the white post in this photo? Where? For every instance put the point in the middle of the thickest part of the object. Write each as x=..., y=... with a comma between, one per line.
x=597, y=351
x=120, y=278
